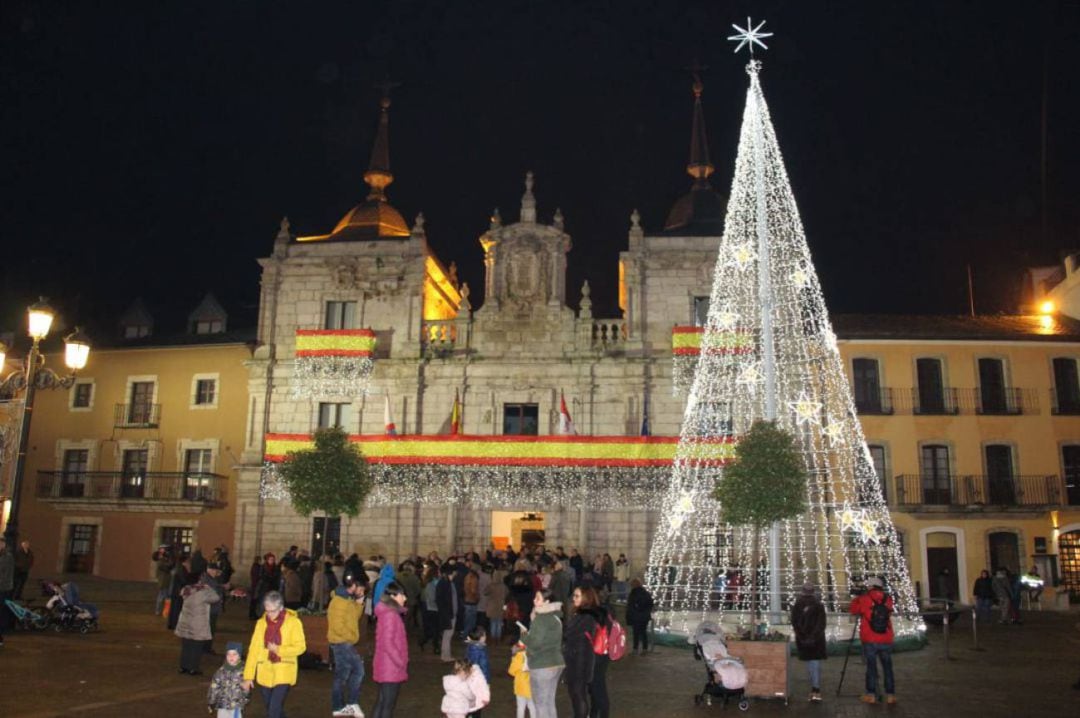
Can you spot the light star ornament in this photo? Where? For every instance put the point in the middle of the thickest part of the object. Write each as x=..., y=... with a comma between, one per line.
x=749, y=36
x=750, y=375
x=834, y=430
x=800, y=278
x=743, y=256
x=807, y=411
x=726, y=319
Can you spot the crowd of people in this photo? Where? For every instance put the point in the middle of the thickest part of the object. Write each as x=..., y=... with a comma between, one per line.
x=1006, y=589
x=551, y=606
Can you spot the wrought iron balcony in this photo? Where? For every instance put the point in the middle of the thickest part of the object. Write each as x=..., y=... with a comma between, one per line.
x=136, y=416
x=870, y=403
x=990, y=401
x=934, y=403
x=978, y=491
x=1062, y=404
x=151, y=487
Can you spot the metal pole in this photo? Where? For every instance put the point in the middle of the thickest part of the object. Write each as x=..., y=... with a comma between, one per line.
x=945, y=630
x=765, y=299
x=975, y=629
x=11, y=531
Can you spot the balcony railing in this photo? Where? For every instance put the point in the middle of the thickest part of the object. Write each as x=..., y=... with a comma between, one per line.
x=136, y=416
x=1062, y=404
x=119, y=485
x=870, y=403
x=998, y=402
x=975, y=490
x=929, y=403
x=443, y=337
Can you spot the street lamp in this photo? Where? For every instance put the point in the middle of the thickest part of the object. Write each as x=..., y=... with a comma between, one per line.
x=35, y=375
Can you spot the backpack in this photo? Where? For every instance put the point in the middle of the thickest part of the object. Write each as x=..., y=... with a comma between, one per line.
x=879, y=616
x=616, y=641
x=600, y=640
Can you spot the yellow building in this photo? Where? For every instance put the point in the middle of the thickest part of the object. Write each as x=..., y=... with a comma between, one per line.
x=974, y=425
x=140, y=451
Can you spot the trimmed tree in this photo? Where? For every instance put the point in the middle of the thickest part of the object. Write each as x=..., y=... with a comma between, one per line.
x=332, y=478
x=765, y=483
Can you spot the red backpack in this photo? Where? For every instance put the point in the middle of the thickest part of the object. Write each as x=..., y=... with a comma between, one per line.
x=616, y=641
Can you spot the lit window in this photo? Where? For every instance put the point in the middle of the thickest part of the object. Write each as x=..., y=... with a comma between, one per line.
x=209, y=326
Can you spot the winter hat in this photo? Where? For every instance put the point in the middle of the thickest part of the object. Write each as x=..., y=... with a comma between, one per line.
x=234, y=646
x=875, y=582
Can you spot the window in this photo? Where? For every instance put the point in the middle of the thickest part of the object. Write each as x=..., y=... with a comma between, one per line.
x=209, y=326
x=930, y=395
x=935, y=474
x=73, y=479
x=992, y=395
x=136, y=331
x=866, y=375
x=325, y=536
x=198, y=467
x=1070, y=469
x=141, y=405
x=133, y=473
x=999, y=474
x=82, y=395
x=521, y=419
x=335, y=415
x=1066, y=386
x=81, y=545
x=877, y=456
x=701, y=311
x=178, y=537
x=340, y=315
x=205, y=392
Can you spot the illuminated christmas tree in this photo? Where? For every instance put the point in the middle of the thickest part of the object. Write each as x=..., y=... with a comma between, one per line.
x=768, y=351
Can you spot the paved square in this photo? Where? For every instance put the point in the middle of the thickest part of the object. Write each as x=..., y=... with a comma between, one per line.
x=129, y=668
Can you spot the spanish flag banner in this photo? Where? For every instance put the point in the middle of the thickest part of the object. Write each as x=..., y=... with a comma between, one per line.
x=335, y=342
x=537, y=451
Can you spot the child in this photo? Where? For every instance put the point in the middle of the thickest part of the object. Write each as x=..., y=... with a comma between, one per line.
x=465, y=691
x=476, y=654
x=519, y=669
x=226, y=694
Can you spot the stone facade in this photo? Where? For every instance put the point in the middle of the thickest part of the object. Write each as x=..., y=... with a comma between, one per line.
x=523, y=344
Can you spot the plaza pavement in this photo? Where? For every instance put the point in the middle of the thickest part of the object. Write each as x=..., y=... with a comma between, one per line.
x=129, y=668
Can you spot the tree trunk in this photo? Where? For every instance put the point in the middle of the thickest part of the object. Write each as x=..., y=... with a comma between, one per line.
x=755, y=559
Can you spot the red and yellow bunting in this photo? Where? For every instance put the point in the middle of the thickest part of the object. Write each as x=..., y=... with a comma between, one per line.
x=539, y=451
x=688, y=341
x=335, y=342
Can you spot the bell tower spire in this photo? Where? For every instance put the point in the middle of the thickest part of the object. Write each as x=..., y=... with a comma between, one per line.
x=378, y=175
x=699, y=167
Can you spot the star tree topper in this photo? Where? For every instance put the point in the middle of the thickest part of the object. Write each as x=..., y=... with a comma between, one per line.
x=749, y=36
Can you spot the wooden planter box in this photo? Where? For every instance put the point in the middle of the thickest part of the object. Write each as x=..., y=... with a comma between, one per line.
x=315, y=636
x=766, y=667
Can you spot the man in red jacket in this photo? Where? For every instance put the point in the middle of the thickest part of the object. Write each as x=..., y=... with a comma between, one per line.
x=874, y=609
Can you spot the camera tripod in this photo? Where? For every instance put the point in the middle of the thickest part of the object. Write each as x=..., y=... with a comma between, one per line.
x=847, y=655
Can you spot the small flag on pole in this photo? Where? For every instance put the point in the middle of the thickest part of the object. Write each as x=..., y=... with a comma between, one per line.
x=646, y=430
x=566, y=424
x=388, y=418
x=455, y=415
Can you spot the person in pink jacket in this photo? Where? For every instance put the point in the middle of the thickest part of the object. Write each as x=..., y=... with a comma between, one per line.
x=391, y=649
x=465, y=691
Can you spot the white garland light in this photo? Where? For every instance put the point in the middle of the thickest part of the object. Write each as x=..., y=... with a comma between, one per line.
x=700, y=567
x=321, y=377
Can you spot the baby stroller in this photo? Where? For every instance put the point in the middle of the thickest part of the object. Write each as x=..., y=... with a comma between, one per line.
x=726, y=674
x=67, y=612
x=25, y=617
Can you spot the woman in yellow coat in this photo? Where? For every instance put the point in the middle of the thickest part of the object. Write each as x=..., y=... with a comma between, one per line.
x=276, y=645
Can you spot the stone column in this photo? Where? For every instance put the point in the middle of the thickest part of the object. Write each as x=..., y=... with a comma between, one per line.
x=451, y=530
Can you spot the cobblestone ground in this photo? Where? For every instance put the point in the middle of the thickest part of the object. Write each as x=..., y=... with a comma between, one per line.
x=129, y=669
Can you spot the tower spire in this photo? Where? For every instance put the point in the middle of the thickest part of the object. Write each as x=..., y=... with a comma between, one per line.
x=378, y=175
x=699, y=166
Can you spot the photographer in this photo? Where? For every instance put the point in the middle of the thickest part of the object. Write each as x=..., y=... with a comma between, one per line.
x=874, y=609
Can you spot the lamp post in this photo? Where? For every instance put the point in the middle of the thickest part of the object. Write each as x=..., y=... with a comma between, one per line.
x=35, y=375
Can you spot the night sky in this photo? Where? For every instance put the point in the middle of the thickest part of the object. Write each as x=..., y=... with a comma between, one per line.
x=150, y=149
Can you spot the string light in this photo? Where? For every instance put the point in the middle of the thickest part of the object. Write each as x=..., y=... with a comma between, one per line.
x=700, y=567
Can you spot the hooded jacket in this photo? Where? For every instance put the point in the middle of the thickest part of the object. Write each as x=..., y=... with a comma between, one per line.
x=861, y=607
x=386, y=575
x=544, y=637
x=808, y=620
x=343, y=618
x=391, y=662
x=225, y=689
